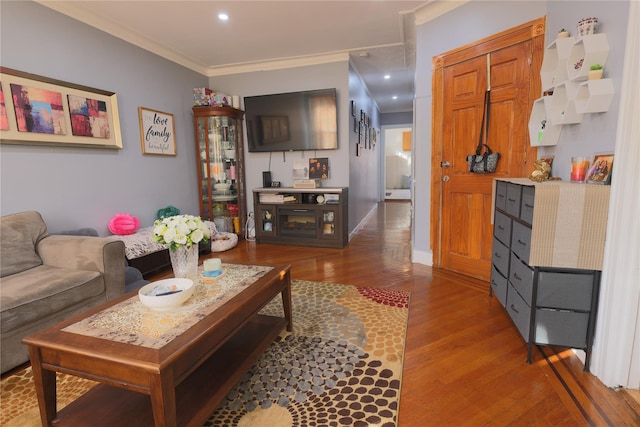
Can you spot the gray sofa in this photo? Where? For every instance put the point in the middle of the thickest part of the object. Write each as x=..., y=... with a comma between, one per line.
x=47, y=278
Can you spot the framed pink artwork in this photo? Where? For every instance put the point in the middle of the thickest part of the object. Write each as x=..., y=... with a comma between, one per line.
x=44, y=111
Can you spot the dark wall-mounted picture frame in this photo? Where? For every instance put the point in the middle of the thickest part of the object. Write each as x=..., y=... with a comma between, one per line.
x=600, y=170
x=157, y=132
x=319, y=168
x=38, y=110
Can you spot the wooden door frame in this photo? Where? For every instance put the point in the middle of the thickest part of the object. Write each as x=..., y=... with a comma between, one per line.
x=534, y=31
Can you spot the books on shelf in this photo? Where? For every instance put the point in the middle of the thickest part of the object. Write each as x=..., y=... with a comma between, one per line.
x=276, y=198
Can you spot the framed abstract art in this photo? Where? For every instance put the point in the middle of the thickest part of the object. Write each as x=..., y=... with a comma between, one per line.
x=42, y=111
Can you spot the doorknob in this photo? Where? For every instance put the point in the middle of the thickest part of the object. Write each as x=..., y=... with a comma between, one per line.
x=445, y=178
x=445, y=164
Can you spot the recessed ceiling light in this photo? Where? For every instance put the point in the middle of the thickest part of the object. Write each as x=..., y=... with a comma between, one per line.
x=395, y=97
x=387, y=76
x=223, y=16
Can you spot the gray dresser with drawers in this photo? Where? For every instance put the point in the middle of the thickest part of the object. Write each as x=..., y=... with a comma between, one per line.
x=551, y=298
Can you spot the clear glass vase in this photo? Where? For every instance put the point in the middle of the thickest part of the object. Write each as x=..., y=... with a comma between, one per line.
x=184, y=262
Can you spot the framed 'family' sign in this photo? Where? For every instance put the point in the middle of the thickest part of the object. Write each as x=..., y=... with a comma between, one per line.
x=157, y=132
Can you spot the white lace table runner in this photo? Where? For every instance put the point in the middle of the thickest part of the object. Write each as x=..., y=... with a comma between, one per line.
x=132, y=322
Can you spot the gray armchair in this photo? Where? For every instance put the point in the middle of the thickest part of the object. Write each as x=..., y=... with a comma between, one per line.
x=47, y=278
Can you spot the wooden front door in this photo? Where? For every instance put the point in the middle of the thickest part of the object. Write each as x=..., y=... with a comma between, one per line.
x=463, y=239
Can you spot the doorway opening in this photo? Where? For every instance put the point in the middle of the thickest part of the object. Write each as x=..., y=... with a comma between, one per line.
x=397, y=163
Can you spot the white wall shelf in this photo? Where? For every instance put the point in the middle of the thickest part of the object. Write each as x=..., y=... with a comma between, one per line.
x=585, y=52
x=562, y=109
x=564, y=75
x=594, y=96
x=554, y=64
x=541, y=131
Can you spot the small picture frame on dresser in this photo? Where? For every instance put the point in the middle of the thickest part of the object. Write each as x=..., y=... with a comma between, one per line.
x=601, y=168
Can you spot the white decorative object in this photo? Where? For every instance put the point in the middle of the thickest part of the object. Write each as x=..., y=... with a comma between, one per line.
x=562, y=108
x=587, y=26
x=221, y=186
x=594, y=96
x=596, y=74
x=212, y=267
x=541, y=131
x=166, y=294
x=184, y=261
x=182, y=233
x=223, y=242
x=586, y=52
x=554, y=64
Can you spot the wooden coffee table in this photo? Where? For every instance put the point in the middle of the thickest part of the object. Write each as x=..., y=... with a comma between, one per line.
x=180, y=383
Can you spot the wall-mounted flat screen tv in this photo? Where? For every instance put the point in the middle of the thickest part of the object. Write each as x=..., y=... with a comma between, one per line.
x=295, y=121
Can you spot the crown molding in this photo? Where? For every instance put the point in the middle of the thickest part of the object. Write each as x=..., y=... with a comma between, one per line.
x=435, y=8
x=277, y=64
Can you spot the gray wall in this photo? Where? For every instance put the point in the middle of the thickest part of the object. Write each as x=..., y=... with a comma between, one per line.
x=85, y=187
x=331, y=75
x=365, y=172
x=345, y=169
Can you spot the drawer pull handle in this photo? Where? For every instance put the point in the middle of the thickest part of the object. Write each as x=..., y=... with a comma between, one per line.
x=528, y=205
x=514, y=309
x=497, y=256
x=500, y=228
x=512, y=200
x=522, y=243
x=515, y=276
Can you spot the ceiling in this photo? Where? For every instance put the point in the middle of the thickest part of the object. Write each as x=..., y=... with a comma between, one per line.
x=378, y=36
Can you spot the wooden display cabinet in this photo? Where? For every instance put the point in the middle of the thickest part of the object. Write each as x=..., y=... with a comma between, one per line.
x=220, y=159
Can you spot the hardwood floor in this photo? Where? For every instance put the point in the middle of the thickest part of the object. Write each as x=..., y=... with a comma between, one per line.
x=465, y=362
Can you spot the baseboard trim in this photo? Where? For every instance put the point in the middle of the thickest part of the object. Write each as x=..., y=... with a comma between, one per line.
x=422, y=257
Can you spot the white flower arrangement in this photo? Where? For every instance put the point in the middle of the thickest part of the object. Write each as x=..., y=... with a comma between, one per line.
x=180, y=230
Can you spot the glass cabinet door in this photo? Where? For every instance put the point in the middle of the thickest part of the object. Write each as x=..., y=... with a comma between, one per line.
x=221, y=180
x=329, y=223
x=266, y=224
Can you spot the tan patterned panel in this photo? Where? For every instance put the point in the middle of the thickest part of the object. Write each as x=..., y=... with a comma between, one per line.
x=569, y=224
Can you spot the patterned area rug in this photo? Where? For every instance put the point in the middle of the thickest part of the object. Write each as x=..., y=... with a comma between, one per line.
x=341, y=366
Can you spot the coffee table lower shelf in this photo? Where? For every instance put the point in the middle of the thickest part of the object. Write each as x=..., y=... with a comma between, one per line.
x=196, y=397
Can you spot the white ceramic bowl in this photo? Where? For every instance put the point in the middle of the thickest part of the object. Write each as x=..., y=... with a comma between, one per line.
x=169, y=301
x=222, y=186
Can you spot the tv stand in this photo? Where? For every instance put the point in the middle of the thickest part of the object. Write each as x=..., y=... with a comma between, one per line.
x=302, y=216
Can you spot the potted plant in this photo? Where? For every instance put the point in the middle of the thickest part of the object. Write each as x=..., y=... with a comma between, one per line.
x=595, y=72
x=563, y=34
